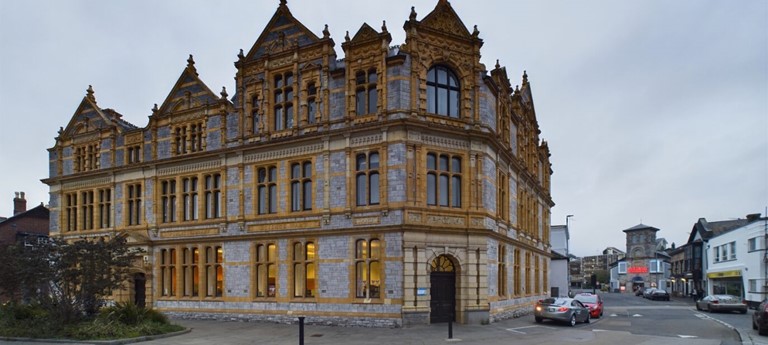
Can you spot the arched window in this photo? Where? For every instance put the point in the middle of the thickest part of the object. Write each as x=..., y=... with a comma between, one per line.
x=442, y=92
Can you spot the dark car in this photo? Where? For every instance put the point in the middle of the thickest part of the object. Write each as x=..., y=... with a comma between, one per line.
x=647, y=292
x=593, y=302
x=760, y=318
x=561, y=309
x=722, y=303
x=659, y=295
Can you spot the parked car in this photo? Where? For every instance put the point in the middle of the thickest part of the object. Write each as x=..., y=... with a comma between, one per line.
x=561, y=309
x=722, y=303
x=647, y=292
x=659, y=294
x=760, y=318
x=593, y=302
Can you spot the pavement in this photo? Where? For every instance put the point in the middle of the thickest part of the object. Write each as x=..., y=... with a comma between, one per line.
x=518, y=331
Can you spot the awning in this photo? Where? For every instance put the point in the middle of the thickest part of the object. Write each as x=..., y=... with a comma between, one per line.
x=724, y=274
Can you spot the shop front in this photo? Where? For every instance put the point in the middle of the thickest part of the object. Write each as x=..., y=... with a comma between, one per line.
x=726, y=283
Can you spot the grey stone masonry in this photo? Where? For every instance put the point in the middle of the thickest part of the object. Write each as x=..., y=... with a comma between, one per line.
x=489, y=184
x=493, y=276
x=233, y=125
x=334, y=280
x=105, y=157
x=53, y=168
x=396, y=176
x=338, y=188
x=248, y=192
x=67, y=166
x=282, y=275
x=237, y=276
x=118, y=205
x=148, y=201
x=513, y=201
x=487, y=105
x=333, y=247
x=319, y=182
x=119, y=157
x=393, y=282
x=213, y=138
x=337, y=105
x=233, y=195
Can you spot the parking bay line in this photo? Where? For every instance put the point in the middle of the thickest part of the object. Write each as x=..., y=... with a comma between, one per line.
x=515, y=330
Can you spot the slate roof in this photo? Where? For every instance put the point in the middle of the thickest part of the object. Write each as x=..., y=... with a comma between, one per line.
x=641, y=226
x=708, y=230
x=39, y=211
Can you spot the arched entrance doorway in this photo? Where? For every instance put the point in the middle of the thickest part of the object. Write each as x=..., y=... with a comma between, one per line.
x=442, y=281
x=139, y=290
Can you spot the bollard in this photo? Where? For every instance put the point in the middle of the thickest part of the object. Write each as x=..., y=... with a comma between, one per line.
x=450, y=328
x=301, y=330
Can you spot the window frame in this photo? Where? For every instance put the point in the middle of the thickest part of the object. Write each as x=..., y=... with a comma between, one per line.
x=364, y=257
x=434, y=88
x=438, y=176
x=300, y=277
x=301, y=184
x=366, y=92
x=269, y=261
x=282, y=87
x=365, y=176
x=268, y=204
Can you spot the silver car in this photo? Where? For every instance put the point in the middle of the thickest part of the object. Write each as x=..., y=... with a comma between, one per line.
x=722, y=303
x=561, y=309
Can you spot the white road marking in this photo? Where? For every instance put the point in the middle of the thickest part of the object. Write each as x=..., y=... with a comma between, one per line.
x=687, y=336
x=599, y=330
x=637, y=315
x=521, y=332
x=613, y=315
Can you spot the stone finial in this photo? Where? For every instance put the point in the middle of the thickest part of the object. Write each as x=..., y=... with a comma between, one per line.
x=413, y=13
x=191, y=64
x=326, y=33
x=155, y=109
x=517, y=88
x=61, y=130
x=525, y=77
x=283, y=2
x=475, y=32
x=89, y=93
x=224, y=92
x=346, y=37
x=497, y=64
x=384, y=26
x=240, y=55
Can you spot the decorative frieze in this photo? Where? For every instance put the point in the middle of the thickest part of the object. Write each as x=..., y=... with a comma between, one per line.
x=189, y=233
x=187, y=168
x=310, y=224
x=284, y=153
x=87, y=183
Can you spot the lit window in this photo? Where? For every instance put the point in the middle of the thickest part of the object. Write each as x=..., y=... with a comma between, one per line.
x=304, y=270
x=367, y=268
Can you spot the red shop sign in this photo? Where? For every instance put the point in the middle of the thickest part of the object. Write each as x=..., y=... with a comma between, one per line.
x=638, y=269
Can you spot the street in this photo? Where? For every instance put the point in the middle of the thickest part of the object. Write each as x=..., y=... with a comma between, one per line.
x=627, y=320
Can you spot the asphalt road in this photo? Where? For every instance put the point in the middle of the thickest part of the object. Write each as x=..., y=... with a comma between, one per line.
x=627, y=320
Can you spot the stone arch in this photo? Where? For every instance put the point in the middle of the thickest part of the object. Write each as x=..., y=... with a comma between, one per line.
x=445, y=283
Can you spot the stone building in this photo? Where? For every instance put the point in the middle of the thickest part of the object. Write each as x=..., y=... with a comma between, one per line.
x=645, y=265
x=401, y=184
x=25, y=226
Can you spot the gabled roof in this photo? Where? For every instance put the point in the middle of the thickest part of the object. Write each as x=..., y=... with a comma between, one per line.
x=280, y=34
x=188, y=92
x=445, y=19
x=39, y=211
x=708, y=230
x=89, y=117
x=641, y=226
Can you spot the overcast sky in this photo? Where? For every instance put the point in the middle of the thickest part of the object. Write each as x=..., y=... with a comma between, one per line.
x=655, y=111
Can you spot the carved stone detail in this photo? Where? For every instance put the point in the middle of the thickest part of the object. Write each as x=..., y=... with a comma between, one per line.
x=181, y=169
x=366, y=140
x=445, y=142
x=288, y=152
x=88, y=183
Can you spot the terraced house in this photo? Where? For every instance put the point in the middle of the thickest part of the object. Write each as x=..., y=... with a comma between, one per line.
x=399, y=184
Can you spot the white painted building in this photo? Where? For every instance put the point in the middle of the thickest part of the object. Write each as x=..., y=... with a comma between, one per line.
x=559, y=275
x=736, y=261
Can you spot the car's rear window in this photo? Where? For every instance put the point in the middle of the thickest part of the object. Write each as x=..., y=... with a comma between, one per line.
x=726, y=298
x=586, y=298
x=555, y=301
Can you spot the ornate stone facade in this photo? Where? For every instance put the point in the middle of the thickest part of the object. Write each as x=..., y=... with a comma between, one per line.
x=401, y=184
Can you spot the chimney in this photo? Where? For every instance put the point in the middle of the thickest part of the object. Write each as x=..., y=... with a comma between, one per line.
x=19, y=203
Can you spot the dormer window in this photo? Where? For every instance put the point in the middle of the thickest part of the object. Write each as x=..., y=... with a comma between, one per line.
x=311, y=103
x=366, y=96
x=442, y=92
